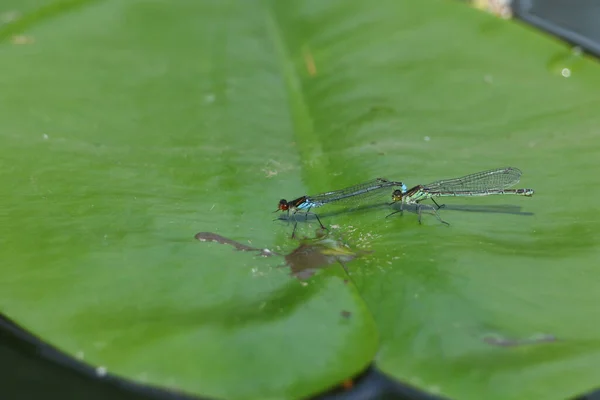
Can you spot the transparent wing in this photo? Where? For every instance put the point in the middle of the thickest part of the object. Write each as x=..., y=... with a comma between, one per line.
x=493, y=179
x=356, y=193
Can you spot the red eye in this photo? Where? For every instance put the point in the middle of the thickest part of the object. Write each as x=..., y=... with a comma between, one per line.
x=283, y=205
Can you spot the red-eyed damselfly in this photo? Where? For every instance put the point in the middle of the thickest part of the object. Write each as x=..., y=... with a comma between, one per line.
x=353, y=194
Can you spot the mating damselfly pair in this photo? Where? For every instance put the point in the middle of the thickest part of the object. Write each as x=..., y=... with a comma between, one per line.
x=485, y=183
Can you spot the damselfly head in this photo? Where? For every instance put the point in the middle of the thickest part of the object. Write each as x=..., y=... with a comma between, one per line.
x=283, y=205
x=397, y=195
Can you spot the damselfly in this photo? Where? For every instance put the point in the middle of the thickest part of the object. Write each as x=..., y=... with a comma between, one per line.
x=485, y=183
x=352, y=194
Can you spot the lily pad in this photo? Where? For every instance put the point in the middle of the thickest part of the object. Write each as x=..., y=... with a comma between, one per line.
x=129, y=127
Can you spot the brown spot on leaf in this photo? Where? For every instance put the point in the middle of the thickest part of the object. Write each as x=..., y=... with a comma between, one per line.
x=309, y=61
x=22, y=39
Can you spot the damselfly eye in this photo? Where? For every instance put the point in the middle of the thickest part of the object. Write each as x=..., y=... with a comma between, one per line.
x=283, y=205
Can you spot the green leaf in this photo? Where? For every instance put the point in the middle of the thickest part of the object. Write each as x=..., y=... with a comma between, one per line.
x=128, y=127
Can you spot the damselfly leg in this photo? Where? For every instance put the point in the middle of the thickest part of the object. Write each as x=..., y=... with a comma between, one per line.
x=438, y=206
x=306, y=219
x=279, y=217
x=401, y=210
x=419, y=212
